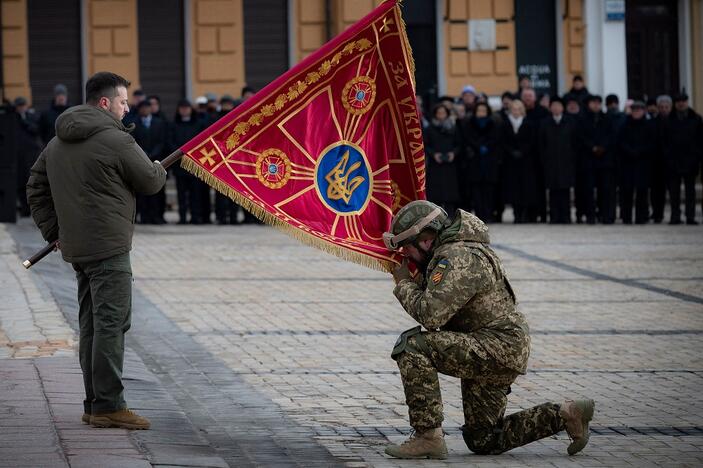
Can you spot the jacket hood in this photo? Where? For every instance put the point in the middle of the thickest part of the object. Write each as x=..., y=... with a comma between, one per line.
x=465, y=228
x=80, y=122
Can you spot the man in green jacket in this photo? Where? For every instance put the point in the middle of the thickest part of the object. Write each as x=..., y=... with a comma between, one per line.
x=463, y=299
x=81, y=191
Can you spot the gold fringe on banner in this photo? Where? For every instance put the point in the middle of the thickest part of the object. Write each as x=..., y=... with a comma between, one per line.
x=406, y=43
x=304, y=237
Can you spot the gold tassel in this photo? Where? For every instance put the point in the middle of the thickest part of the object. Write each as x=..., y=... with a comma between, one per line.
x=308, y=239
x=406, y=43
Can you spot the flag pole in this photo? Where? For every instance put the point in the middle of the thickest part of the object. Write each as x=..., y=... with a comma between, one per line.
x=51, y=246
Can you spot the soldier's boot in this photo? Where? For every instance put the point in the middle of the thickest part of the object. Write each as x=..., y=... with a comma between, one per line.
x=124, y=419
x=428, y=444
x=85, y=419
x=577, y=415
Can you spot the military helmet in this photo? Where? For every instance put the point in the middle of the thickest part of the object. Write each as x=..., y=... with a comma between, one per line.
x=411, y=220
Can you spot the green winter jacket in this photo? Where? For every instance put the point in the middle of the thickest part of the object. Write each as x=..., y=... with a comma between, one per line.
x=465, y=290
x=82, y=188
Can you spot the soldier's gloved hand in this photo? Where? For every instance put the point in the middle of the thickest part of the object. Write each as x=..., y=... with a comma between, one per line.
x=401, y=272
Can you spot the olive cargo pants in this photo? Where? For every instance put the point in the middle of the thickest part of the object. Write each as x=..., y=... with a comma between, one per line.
x=105, y=311
x=485, y=385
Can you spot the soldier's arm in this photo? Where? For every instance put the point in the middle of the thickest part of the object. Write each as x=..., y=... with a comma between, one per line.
x=144, y=175
x=450, y=286
x=40, y=201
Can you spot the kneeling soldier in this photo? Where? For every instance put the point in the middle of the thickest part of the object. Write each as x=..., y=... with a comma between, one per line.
x=475, y=332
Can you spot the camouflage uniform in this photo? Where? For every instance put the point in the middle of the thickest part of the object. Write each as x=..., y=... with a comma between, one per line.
x=475, y=334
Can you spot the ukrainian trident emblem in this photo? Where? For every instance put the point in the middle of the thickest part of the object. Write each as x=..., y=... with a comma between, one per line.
x=343, y=179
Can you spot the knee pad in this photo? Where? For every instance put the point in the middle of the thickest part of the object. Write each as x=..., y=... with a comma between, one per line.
x=409, y=341
x=482, y=441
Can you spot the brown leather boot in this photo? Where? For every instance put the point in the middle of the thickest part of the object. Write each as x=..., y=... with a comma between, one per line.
x=85, y=419
x=577, y=414
x=124, y=418
x=428, y=444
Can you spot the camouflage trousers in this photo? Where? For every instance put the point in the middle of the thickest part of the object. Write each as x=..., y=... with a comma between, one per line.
x=485, y=385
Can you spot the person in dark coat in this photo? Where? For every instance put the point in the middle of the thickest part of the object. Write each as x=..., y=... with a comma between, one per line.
x=518, y=139
x=652, y=109
x=155, y=102
x=132, y=115
x=636, y=144
x=28, y=149
x=659, y=178
x=150, y=133
x=597, y=141
x=226, y=211
x=578, y=90
x=612, y=110
x=557, y=149
x=184, y=128
x=442, y=165
x=535, y=114
x=682, y=150
x=47, y=119
x=478, y=141
x=573, y=110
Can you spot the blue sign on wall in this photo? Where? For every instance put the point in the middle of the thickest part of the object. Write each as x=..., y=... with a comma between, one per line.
x=615, y=10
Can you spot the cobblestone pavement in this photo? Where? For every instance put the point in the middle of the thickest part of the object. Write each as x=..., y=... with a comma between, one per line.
x=31, y=324
x=274, y=350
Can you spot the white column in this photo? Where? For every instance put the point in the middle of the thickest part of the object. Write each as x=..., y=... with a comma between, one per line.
x=441, y=51
x=84, y=48
x=561, y=66
x=188, y=49
x=606, y=54
x=685, y=56
x=292, y=30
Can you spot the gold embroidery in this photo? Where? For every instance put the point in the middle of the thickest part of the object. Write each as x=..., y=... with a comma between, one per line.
x=255, y=119
x=340, y=188
x=386, y=23
x=273, y=168
x=294, y=91
x=207, y=156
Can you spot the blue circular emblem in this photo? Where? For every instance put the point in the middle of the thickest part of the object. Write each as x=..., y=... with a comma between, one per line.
x=343, y=179
x=360, y=95
x=273, y=169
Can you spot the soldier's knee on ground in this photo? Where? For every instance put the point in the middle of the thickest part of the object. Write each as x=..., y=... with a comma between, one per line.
x=482, y=441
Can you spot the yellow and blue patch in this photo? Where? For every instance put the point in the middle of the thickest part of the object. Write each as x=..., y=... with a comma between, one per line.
x=439, y=271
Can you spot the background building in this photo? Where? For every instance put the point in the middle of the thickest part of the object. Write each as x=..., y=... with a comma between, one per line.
x=188, y=47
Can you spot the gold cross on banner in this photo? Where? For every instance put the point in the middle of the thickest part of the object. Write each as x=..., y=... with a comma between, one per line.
x=207, y=157
x=386, y=22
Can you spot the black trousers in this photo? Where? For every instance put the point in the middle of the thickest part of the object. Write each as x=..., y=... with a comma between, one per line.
x=657, y=194
x=559, y=206
x=225, y=209
x=606, y=189
x=104, y=316
x=641, y=196
x=149, y=207
x=584, y=194
x=189, y=198
x=205, y=200
x=482, y=195
x=689, y=182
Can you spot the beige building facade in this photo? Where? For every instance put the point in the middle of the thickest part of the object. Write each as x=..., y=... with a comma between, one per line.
x=219, y=46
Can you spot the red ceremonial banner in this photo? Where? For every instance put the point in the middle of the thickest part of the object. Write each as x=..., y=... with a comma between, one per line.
x=331, y=149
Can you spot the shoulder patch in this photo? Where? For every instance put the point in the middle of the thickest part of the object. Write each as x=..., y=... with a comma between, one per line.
x=439, y=271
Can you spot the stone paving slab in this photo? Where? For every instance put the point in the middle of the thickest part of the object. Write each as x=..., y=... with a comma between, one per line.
x=273, y=350
x=325, y=361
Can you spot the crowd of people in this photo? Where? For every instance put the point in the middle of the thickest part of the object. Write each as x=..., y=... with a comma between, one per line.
x=158, y=135
x=539, y=154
